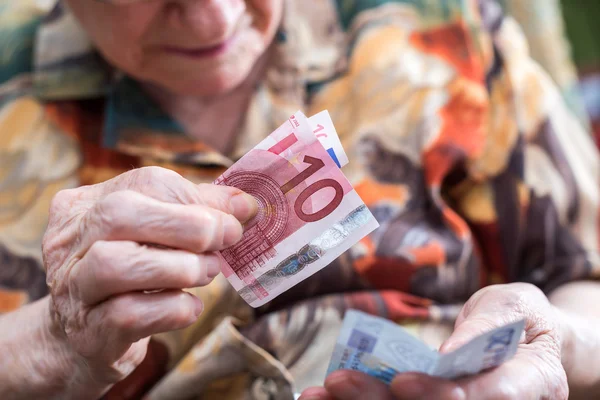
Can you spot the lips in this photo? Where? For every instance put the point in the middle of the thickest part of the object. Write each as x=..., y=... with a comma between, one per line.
x=202, y=52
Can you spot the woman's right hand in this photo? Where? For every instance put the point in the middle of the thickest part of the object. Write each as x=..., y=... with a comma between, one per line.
x=110, y=247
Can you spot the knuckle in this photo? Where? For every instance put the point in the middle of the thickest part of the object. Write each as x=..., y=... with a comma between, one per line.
x=112, y=212
x=164, y=184
x=103, y=261
x=63, y=200
x=528, y=291
x=205, y=223
x=122, y=319
x=219, y=196
x=517, y=303
x=139, y=263
x=516, y=299
x=158, y=172
x=150, y=176
x=60, y=219
x=113, y=202
x=189, y=275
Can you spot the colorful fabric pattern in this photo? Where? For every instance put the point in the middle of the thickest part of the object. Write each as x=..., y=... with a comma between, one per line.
x=461, y=145
x=544, y=27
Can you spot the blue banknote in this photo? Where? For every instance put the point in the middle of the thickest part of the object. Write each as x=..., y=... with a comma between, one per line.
x=383, y=349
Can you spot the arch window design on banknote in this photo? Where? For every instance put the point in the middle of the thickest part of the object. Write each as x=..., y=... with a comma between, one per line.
x=309, y=213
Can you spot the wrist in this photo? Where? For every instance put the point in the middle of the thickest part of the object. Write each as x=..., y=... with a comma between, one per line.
x=69, y=368
x=53, y=362
x=29, y=366
x=38, y=361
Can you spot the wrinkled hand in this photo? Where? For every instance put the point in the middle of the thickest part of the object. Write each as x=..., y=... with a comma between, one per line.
x=111, y=248
x=535, y=372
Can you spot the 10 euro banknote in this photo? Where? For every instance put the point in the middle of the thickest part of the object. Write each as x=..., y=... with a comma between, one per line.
x=309, y=213
x=383, y=349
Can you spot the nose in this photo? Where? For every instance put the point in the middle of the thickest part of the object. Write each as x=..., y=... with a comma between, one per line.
x=206, y=18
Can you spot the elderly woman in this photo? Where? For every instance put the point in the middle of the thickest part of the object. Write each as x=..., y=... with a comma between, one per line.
x=117, y=114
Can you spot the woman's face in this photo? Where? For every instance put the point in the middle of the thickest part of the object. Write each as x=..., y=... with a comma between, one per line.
x=193, y=47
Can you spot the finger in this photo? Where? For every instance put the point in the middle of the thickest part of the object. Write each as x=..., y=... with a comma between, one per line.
x=412, y=386
x=168, y=186
x=523, y=377
x=496, y=306
x=471, y=328
x=353, y=385
x=526, y=376
x=131, y=216
x=125, y=319
x=316, y=393
x=112, y=268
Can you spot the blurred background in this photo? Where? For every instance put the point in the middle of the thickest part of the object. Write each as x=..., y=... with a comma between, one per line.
x=582, y=18
x=564, y=36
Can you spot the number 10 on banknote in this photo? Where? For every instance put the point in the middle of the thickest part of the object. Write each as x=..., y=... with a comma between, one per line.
x=309, y=214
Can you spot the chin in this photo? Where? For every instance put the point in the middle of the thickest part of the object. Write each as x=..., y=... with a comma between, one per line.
x=212, y=84
x=204, y=88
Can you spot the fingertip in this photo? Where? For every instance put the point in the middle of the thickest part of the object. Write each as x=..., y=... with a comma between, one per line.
x=337, y=375
x=343, y=384
x=232, y=230
x=213, y=265
x=198, y=305
x=243, y=206
x=339, y=378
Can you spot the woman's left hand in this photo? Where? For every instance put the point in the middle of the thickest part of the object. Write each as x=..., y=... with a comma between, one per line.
x=535, y=372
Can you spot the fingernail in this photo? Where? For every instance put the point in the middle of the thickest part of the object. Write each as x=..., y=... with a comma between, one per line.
x=232, y=230
x=345, y=387
x=198, y=306
x=213, y=266
x=243, y=206
x=409, y=387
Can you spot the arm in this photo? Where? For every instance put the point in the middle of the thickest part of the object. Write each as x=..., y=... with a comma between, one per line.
x=578, y=304
x=36, y=361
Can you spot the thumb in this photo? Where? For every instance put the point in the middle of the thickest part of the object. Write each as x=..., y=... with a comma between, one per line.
x=468, y=329
x=487, y=310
